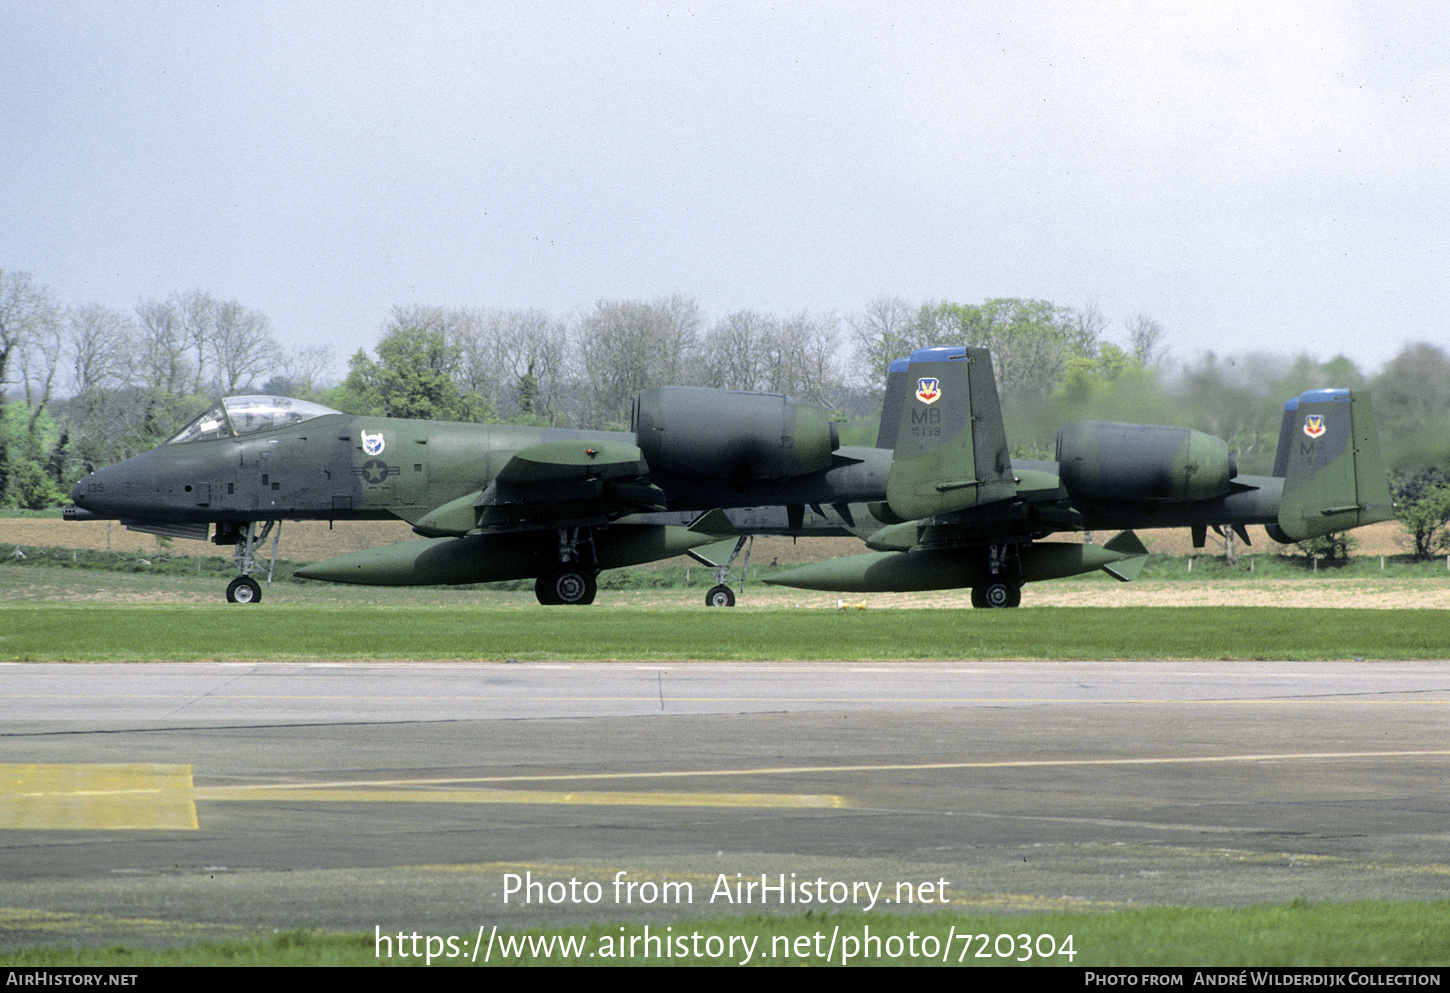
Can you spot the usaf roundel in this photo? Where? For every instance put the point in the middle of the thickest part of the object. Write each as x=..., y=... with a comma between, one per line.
x=928, y=390
x=372, y=443
x=1314, y=425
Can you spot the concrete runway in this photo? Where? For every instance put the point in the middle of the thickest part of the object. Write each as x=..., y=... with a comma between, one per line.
x=170, y=803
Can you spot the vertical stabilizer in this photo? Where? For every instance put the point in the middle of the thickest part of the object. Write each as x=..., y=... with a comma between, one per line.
x=891, y=403
x=949, y=445
x=1329, y=456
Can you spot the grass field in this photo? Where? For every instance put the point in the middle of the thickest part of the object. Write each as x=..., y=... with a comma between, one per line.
x=65, y=614
x=1298, y=934
x=175, y=619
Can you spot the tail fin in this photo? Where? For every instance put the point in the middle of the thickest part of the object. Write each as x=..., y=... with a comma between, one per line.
x=1329, y=456
x=944, y=423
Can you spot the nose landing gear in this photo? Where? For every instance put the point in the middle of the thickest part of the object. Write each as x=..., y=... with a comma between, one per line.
x=245, y=589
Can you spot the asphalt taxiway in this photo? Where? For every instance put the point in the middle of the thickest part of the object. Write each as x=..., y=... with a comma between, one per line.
x=180, y=802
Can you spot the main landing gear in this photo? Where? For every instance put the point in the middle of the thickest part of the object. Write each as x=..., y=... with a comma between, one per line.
x=245, y=589
x=566, y=586
x=574, y=581
x=997, y=591
x=1003, y=587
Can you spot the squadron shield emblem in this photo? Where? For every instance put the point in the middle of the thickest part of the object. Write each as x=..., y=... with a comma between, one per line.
x=372, y=443
x=1314, y=425
x=928, y=390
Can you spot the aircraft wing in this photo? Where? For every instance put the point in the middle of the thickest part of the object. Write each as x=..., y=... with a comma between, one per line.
x=552, y=484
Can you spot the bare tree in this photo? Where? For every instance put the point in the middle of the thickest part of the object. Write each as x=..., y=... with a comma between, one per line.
x=28, y=314
x=304, y=369
x=881, y=334
x=39, y=363
x=800, y=357
x=730, y=352
x=160, y=361
x=627, y=346
x=1145, y=339
x=98, y=339
x=241, y=348
x=196, y=312
x=1085, y=330
x=535, y=350
x=162, y=373
x=477, y=336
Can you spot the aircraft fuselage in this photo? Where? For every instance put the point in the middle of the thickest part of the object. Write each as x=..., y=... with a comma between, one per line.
x=340, y=467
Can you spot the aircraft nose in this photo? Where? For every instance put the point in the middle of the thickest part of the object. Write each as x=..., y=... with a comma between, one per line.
x=91, y=496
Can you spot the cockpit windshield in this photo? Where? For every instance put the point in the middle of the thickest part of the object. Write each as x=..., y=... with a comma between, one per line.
x=236, y=416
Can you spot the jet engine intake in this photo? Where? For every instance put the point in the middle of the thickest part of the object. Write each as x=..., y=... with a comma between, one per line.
x=724, y=434
x=1103, y=461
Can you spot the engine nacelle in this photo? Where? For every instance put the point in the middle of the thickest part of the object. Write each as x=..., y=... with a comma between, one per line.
x=1101, y=461
x=725, y=434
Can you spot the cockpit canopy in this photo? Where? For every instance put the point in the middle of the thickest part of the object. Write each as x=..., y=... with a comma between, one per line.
x=236, y=416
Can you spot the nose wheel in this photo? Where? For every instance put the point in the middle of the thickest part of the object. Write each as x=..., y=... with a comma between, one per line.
x=248, y=538
x=720, y=594
x=244, y=589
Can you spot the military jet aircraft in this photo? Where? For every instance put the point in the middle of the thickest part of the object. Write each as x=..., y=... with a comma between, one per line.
x=938, y=496
x=493, y=502
x=959, y=512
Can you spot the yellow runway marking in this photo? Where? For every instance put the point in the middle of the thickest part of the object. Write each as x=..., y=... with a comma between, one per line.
x=161, y=797
x=573, y=797
x=96, y=798
x=789, y=770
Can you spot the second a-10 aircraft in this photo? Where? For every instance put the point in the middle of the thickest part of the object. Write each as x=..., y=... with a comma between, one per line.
x=938, y=497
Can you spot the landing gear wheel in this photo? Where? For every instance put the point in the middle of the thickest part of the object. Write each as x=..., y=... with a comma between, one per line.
x=720, y=596
x=566, y=586
x=244, y=589
x=997, y=591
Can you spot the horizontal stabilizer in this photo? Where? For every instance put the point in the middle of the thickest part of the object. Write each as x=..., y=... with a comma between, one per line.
x=1126, y=569
x=715, y=522
x=718, y=554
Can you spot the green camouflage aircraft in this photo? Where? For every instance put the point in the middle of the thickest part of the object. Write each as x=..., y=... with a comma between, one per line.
x=493, y=502
x=959, y=512
x=704, y=470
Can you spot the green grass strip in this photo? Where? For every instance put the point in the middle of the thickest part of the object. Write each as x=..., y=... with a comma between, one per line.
x=1296, y=934
x=83, y=633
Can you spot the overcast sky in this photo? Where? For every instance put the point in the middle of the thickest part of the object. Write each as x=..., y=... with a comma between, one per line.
x=1257, y=176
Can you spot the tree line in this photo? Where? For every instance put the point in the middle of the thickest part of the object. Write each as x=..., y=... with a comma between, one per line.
x=87, y=386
